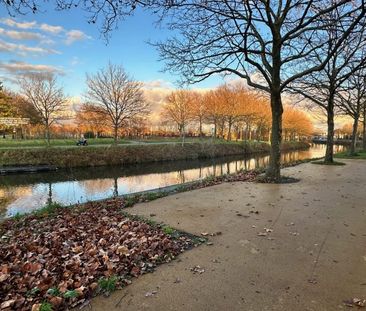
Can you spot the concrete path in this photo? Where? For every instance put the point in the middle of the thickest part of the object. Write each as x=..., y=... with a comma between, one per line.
x=314, y=258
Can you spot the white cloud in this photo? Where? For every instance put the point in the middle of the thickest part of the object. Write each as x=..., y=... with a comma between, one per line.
x=70, y=36
x=24, y=50
x=20, y=35
x=75, y=35
x=12, y=23
x=154, y=84
x=52, y=29
x=75, y=61
x=16, y=67
x=32, y=25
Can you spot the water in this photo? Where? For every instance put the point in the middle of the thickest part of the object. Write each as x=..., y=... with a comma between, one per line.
x=26, y=192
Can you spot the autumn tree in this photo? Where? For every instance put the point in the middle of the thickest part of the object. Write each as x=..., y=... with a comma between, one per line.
x=118, y=95
x=296, y=124
x=198, y=108
x=229, y=107
x=213, y=106
x=47, y=98
x=91, y=118
x=6, y=107
x=177, y=109
x=253, y=111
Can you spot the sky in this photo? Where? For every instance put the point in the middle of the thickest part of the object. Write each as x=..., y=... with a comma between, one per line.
x=64, y=43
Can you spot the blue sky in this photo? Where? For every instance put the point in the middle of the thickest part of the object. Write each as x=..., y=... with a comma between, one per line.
x=65, y=43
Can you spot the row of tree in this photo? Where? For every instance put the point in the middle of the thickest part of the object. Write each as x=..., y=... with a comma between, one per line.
x=115, y=104
x=231, y=111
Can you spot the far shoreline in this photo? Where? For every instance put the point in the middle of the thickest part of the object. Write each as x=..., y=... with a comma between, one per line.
x=132, y=154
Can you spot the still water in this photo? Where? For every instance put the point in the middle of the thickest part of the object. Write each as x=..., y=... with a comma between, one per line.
x=26, y=192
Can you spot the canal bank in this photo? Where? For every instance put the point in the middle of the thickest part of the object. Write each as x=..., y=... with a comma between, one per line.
x=25, y=193
x=93, y=156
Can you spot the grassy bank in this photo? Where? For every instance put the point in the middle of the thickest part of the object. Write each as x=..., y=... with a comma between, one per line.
x=130, y=154
x=38, y=143
x=345, y=155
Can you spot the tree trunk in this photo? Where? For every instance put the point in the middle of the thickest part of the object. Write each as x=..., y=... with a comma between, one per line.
x=352, y=150
x=229, y=131
x=200, y=127
x=115, y=187
x=330, y=135
x=182, y=133
x=115, y=134
x=364, y=128
x=222, y=126
x=47, y=133
x=274, y=169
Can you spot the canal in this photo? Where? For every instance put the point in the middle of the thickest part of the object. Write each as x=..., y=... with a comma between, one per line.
x=26, y=192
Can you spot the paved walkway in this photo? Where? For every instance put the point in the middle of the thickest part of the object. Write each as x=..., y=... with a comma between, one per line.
x=314, y=258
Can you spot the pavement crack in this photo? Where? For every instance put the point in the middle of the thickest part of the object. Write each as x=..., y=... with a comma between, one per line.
x=312, y=275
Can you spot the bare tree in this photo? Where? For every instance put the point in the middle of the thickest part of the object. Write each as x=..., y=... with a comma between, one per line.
x=120, y=97
x=321, y=88
x=178, y=109
x=352, y=100
x=47, y=98
x=265, y=42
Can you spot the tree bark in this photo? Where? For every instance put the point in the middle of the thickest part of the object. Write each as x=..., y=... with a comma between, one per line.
x=47, y=133
x=364, y=128
x=182, y=133
x=330, y=135
x=274, y=169
x=115, y=134
x=229, y=130
x=352, y=150
x=200, y=127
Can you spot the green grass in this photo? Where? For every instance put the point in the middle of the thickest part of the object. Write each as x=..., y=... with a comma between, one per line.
x=345, y=155
x=168, y=230
x=45, y=306
x=18, y=143
x=33, y=292
x=188, y=140
x=54, y=291
x=335, y=163
x=108, y=285
x=57, y=142
x=70, y=294
x=48, y=209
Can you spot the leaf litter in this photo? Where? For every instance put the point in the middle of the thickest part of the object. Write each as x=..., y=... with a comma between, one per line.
x=61, y=259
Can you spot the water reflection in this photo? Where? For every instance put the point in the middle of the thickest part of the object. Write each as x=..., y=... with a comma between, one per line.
x=24, y=193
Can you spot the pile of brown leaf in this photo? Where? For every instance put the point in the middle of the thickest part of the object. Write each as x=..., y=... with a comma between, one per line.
x=60, y=258
x=248, y=176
